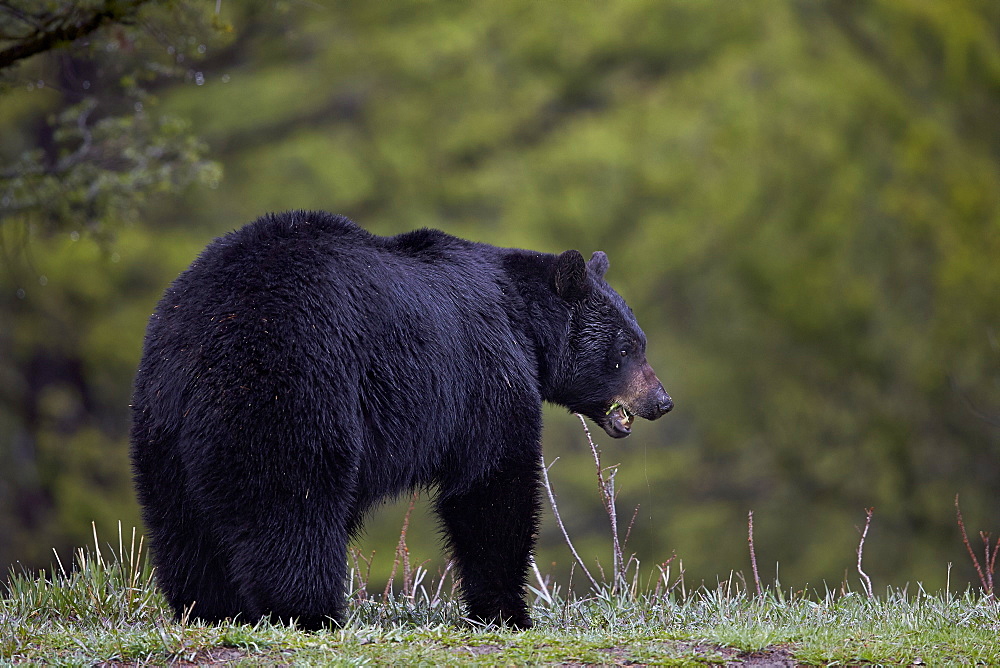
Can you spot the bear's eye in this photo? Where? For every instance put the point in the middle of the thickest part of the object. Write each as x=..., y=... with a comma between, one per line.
x=624, y=352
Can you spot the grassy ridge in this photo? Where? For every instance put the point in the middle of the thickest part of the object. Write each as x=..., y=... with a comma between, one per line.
x=105, y=608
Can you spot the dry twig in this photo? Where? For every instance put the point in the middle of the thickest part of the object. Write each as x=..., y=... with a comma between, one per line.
x=607, y=487
x=753, y=552
x=562, y=527
x=444, y=574
x=990, y=558
x=361, y=593
x=865, y=580
x=403, y=555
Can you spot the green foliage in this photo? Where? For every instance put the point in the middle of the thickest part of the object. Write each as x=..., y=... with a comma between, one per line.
x=106, y=171
x=103, y=150
x=799, y=200
x=86, y=149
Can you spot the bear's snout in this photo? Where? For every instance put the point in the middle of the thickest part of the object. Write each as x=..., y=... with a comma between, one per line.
x=662, y=403
x=648, y=398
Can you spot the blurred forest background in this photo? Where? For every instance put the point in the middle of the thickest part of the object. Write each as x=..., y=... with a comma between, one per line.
x=800, y=200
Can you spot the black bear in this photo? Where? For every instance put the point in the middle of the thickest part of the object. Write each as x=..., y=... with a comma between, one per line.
x=302, y=370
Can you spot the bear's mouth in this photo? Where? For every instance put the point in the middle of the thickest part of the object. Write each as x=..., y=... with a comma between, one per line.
x=618, y=420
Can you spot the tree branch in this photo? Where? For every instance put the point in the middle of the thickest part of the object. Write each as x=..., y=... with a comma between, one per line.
x=68, y=28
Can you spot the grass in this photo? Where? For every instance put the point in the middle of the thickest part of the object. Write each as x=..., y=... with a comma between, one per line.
x=104, y=609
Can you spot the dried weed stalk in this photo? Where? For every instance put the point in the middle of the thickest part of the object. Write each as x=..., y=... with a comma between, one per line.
x=865, y=580
x=753, y=552
x=606, y=485
x=989, y=555
x=562, y=527
x=410, y=577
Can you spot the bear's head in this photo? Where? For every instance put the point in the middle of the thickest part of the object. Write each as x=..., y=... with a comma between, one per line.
x=604, y=374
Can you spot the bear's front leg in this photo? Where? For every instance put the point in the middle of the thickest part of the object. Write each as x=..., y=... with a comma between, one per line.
x=491, y=531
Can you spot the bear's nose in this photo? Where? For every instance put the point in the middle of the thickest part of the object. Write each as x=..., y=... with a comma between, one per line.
x=663, y=403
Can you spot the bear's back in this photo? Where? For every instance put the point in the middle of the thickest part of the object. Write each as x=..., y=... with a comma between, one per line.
x=293, y=244
x=313, y=276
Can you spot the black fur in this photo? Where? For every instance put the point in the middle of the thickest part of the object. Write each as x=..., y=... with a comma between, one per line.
x=302, y=370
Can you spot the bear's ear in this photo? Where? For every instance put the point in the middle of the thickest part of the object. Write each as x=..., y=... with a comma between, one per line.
x=598, y=263
x=570, y=276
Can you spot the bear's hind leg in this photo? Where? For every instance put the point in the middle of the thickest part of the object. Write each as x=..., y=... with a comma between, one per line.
x=491, y=531
x=297, y=571
x=189, y=567
x=195, y=580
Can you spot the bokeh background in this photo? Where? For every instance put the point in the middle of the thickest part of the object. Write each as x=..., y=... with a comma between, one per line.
x=800, y=200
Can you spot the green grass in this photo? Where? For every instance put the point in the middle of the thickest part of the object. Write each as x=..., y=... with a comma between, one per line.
x=106, y=608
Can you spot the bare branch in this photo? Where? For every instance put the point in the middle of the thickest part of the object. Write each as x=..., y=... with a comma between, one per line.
x=989, y=560
x=628, y=532
x=402, y=554
x=444, y=574
x=866, y=581
x=607, y=487
x=965, y=539
x=52, y=31
x=562, y=527
x=986, y=579
x=753, y=552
